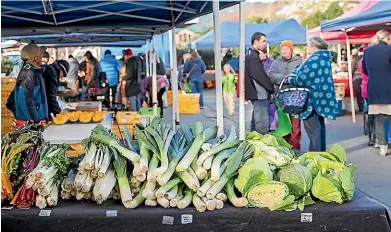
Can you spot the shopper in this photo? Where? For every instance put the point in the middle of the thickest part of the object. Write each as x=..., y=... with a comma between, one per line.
x=82, y=80
x=27, y=100
x=72, y=78
x=52, y=75
x=315, y=74
x=132, y=80
x=181, y=74
x=227, y=57
x=279, y=70
x=92, y=75
x=111, y=67
x=194, y=68
x=45, y=57
x=161, y=86
x=258, y=86
x=229, y=80
x=266, y=61
x=377, y=65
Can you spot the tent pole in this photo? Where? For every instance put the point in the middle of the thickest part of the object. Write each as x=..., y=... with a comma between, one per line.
x=55, y=53
x=268, y=49
x=154, y=86
x=242, y=47
x=339, y=55
x=146, y=60
x=217, y=50
x=174, y=83
x=66, y=53
x=350, y=78
x=151, y=48
x=163, y=51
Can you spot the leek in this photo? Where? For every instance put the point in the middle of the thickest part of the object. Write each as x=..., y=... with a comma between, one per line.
x=138, y=200
x=186, y=200
x=105, y=162
x=136, y=169
x=221, y=196
x=198, y=203
x=205, y=187
x=142, y=177
x=189, y=180
x=217, y=162
x=152, y=166
x=178, y=197
x=144, y=157
x=233, y=164
x=103, y=186
x=199, y=140
x=171, y=193
x=219, y=203
x=228, y=143
x=150, y=202
x=208, y=163
x=210, y=204
x=163, y=202
x=200, y=172
x=165, y=188
x=124, y=188
x=149, y=190
x=236, y=201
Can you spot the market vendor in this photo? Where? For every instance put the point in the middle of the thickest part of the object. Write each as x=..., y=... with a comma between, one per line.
x=27, y=100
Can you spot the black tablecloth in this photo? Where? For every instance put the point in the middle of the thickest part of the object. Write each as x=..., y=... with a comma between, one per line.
x=360, y=214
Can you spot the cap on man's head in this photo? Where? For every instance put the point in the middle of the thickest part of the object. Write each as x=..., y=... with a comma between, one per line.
x=107, y=52
x=62, y=65
x=45, y=54
x=30, y=51
x=287, y=43
x=128, y=52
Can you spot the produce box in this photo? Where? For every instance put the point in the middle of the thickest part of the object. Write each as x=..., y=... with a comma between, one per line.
x=6, y=124
x=7, y=85
x=89, y=106
x=148, y=112
x=169, y=98
x=127, y=118
x=189, y=103
x=339, y=90
x=119, y=130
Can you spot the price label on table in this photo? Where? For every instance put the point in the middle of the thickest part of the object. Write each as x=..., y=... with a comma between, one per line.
x=111, y=213
x=306, y=217
x=168, y=220
x=186, y=219
x=45, y=213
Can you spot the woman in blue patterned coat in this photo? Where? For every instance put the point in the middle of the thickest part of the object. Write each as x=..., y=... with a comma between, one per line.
x=315, y=74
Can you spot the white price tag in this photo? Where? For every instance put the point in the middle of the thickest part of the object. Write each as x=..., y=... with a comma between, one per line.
x=111, y=213
x=186, y=219
x=100, y=97
x=45, y=213
x=168, y=220
x=306, y=217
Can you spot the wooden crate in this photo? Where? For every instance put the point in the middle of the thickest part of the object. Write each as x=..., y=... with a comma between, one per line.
x=127, y=118
x=339, y=89
x=189, y=103
x=120, y=131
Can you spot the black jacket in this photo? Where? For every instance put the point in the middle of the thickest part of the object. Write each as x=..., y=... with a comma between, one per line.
x=50, y=76
x=377, y=65
x=133, y=76
x=257, y=83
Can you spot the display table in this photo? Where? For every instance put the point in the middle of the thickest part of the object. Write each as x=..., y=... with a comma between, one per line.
x=360, y=214
x=347, y=85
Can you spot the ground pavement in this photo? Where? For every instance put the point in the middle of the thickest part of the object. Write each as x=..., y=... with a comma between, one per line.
x=372, y=175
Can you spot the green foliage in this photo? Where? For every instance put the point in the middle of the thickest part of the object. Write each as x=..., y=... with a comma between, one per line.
x=256, y=19
x=6, y=65
x=333, y=11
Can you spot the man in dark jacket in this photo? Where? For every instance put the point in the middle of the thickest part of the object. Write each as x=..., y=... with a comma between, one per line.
x=27, y=100
x=133, y=79
x=258, y=86
x=377, y=65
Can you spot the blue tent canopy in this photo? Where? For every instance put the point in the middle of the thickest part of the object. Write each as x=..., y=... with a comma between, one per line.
x=378, y=15
x=59, y=16
x=276, y=32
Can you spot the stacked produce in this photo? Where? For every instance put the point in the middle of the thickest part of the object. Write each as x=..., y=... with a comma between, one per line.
x=79, y=116
x=19, y=157
x=183, y=167
x=47, y=175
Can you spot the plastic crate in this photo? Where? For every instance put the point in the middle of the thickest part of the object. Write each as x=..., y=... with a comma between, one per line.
x=127, y=117
x=148, y=112
x=189, y=103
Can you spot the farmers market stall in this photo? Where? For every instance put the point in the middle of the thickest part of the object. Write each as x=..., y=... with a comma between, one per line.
x=360, y=214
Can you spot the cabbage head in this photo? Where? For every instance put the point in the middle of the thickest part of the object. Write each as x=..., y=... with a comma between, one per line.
x=272, y=155
x=298, y=179
x=267, y=195
x=252, y=164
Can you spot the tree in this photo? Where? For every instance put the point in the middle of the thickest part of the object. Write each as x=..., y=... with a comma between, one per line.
x=256, y=19
x=333, y=11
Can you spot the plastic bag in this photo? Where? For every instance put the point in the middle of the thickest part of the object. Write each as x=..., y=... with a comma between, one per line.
x=284, y=122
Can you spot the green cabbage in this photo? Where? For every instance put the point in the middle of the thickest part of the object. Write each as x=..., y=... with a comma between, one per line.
x=339, y=152
x=298, y=179
x=272, y=155
x=256, y=163
x=267, y=195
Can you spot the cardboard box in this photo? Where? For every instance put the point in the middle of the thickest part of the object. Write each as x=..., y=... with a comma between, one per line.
x=189, y=103
x=89, y=106
x=127, y=118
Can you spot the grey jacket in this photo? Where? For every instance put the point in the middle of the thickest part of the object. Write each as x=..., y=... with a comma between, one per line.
x=281, y=68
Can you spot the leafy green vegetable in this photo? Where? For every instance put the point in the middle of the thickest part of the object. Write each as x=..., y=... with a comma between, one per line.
x=253, y=164
x=339, y=152
x=306, y=200
x=326, y=189
x=270, y=154
x=298, y=179
x=268, y=194
x=288, y=204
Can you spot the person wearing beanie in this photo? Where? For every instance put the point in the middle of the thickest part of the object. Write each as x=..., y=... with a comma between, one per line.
x=279, y=70
x=131, y=79
x=111, y=67
x=27, y=100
